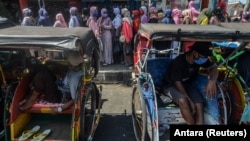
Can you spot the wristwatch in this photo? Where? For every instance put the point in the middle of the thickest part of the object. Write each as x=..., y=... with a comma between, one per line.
x=59, y=109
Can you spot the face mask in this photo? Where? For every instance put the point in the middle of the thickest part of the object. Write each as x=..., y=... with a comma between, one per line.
x=95, y=14
x=105, y=15
x=132, y=16
x=200, y=60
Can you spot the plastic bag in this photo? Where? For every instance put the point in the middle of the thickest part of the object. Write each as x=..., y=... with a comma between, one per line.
x=128, y=49
x=122, y=39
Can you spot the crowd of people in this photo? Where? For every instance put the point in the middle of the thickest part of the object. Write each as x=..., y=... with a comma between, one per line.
x=108, y=30
x=108, y=26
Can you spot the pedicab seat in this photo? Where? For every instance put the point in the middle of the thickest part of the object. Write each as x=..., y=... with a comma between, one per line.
x=43, y=107
x=168, y=113
x=157, y=69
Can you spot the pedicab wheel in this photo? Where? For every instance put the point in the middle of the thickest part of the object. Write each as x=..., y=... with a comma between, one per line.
x=8, y=93
x=139, y=116
x=88, y=112
x=225, y=104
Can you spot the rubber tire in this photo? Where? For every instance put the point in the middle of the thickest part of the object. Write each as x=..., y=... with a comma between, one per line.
x=87, y=122
x=140, y=132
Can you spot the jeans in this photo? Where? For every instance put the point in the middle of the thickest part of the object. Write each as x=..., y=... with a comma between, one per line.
x=71, y=81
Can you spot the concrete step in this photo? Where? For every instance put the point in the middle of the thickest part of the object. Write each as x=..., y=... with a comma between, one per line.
x=114, y=73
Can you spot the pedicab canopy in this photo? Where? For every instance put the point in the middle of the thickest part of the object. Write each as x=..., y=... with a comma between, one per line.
x=242, y=28
x=183, y=32
x=45, y=37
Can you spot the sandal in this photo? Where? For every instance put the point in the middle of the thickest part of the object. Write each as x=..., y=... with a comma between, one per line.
x=28, y=133
x=41, y=136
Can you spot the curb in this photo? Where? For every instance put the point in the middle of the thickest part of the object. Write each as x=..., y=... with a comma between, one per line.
x=114, y=74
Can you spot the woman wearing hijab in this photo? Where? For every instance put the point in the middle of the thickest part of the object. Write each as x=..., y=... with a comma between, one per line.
x=117, y=25
x=60, y=21
x=127, y=32
x=92, y=21
x=137, y=20
x=144, y=17
x=167, y=16
x=153, y=15
x=105, y=26
x=43, y=19
x=28, y=20
x=195, y=13
x=204, y=17
x=176, y=13
x=74, y=20
x=187, y=17
x=117, y=22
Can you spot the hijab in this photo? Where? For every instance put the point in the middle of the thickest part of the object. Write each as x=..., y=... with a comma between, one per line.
x=74, y=21
x=153, y=13
x=167, y=16
x=43, y=18
x=60, y=19
x=205, y=13
x=144, y=17
x=117, y=21
x=176, y=13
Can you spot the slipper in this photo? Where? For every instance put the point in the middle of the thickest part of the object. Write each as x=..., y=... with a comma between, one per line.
x=41, y=136
x=28, y=133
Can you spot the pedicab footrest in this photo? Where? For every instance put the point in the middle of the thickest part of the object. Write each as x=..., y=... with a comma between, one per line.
x=170, y=115
x=46, y=108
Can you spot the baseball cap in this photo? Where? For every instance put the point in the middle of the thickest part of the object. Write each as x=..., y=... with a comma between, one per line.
x=203, y=48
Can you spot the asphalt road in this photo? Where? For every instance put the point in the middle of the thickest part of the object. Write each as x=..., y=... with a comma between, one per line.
x=116, y=120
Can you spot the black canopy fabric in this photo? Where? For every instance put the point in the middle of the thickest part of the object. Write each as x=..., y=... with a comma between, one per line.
x=45, y=37
x=191, y=32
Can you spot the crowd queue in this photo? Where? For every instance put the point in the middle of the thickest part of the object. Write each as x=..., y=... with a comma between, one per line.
x=115, y=32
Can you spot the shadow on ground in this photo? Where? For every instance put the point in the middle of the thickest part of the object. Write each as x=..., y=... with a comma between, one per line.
x=115, y=127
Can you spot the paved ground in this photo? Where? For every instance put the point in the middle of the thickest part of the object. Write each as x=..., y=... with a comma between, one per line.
x=116, y=120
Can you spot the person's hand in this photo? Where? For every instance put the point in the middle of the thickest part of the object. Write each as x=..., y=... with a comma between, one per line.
x=192, y=106
x=211, y=89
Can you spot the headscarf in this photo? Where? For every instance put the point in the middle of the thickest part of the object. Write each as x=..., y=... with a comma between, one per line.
x=27, y=19
x=191, y=4
x=137, y=19
x=223, y=5
x=167, y=16
x=27, y=12
x=126, y=17
x=244, y=17
x=104, y=13
x=195, y=13
x=92, y=21
x=176, y=13
x=117, y=21
x=205, y=13
x=187, y=16
x=43, y=18
x=124, y=10
x=74, y=21
x=153, y=13
x=60, y=19
x=144, y=17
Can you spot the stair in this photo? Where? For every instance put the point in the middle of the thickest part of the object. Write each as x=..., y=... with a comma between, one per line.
x=115, y=73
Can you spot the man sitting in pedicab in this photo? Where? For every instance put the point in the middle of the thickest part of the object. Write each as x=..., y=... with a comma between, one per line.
x=180, y=76
x=44, y=87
